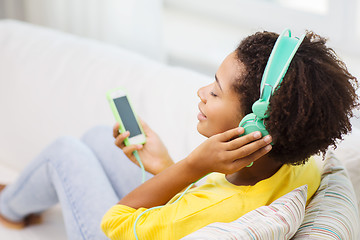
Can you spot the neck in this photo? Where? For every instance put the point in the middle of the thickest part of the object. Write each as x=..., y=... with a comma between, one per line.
x=262, y=168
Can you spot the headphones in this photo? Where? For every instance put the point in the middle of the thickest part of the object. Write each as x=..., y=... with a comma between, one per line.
x=281, y=55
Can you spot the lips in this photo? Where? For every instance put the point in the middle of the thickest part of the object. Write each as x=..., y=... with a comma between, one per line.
x=201, y=116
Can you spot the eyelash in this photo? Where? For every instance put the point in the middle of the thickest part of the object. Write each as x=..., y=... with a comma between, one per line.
x=213, y=94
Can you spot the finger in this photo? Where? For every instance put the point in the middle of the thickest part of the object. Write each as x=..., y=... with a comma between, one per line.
x=129, y=153
x=251, y=148
x=243, y=140
x=228, y=135
x=119, y=141
x=240, y=163
x=116, y=130
x=128, y=150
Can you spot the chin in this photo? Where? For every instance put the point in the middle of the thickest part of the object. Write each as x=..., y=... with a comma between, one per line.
x=203, y=131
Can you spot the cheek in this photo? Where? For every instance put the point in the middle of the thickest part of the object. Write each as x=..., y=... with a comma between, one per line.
x=229, y=121
x=225, y=118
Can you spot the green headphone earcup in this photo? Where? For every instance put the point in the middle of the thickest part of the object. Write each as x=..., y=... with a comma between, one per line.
x=251, y=124
x=260, y=108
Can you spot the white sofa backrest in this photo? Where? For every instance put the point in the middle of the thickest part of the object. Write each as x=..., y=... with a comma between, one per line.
x=54, y=84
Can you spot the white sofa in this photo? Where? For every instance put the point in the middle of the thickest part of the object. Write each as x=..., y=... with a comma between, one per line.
x=54, y=84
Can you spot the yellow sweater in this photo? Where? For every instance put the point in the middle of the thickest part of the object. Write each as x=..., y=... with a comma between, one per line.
x=216, y=201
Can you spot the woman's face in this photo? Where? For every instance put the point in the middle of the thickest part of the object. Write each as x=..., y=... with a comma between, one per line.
x=220, y=104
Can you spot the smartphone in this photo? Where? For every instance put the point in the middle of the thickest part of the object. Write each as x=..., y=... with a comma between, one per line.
x=125, y=116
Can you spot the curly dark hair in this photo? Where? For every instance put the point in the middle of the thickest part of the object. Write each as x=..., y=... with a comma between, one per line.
x=312, y=108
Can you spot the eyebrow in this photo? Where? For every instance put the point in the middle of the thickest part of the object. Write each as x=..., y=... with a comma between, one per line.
x=217, y=80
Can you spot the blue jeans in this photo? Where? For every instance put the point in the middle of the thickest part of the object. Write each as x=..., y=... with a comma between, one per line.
x=86, y=176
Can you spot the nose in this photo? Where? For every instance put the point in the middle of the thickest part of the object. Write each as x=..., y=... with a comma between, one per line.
x=201, y=94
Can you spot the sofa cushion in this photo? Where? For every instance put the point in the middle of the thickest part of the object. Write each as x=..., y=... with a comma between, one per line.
x=279, y=220
x=332, y=212
x=348, y=152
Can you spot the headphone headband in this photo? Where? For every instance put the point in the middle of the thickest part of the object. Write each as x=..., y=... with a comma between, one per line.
x=280, y=58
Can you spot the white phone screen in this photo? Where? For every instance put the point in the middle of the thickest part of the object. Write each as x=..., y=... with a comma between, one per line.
x=127, y=116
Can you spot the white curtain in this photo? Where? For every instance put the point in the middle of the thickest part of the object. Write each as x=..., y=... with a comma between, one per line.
x=133, y=24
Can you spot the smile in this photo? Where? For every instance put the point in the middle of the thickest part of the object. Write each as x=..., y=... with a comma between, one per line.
x=201, y=116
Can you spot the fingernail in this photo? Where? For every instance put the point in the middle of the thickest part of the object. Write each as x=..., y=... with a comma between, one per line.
x=267, y=139
x=139, y=146
x=240, y=130
x=268, y=147
x=257, y=135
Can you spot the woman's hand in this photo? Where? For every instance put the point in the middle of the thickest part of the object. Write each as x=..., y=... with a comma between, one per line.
x=153, y=153
x=227, y=153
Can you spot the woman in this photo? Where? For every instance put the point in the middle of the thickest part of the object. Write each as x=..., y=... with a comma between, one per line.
x=308, y=113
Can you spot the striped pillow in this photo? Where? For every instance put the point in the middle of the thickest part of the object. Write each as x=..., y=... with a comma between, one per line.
x=333, y=211
x=279, y=220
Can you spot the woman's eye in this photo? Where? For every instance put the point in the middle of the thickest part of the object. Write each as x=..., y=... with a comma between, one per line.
x=213, y=94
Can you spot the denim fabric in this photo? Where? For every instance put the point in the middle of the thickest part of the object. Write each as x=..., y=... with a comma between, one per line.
x=86, y=176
